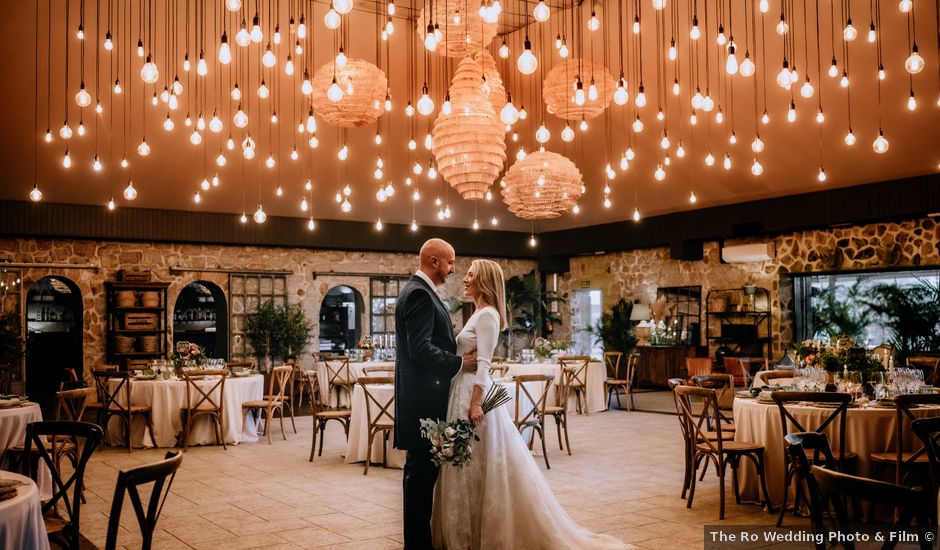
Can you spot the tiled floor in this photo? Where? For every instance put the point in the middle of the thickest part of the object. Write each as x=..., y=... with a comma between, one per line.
x=624, y=479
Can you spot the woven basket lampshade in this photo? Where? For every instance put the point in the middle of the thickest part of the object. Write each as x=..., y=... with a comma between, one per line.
x=469, y=143
x=454, y=41
x=542, y=186
x=364, y=87
x=497, y=92
x=558, y=90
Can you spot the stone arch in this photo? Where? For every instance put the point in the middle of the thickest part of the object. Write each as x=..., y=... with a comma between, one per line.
x=339, y=303
x=200, y=315
x=54, y=316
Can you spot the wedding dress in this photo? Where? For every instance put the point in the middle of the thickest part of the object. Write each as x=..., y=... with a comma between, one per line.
x=499, y=499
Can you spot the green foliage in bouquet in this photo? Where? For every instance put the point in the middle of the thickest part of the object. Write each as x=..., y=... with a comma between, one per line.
x=187, y=354
x=451, y=441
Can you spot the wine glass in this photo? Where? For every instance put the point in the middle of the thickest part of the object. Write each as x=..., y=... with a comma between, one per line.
x=877, y=381
x=854, y=383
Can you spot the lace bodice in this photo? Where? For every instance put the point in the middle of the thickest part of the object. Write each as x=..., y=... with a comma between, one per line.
x=480, y=332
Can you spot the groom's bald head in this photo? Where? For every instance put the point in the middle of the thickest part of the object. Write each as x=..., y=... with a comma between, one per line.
x=437, y=259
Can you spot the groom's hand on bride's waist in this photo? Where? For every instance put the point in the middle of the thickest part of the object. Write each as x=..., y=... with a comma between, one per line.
x=470, y=361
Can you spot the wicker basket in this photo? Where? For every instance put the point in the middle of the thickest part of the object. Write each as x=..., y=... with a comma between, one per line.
x=140, y=321
x=123, y=344
x=150, y=299
x=149, y=343
x=125, y=298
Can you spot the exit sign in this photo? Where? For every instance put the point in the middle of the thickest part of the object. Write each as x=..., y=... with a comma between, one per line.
x=585, y=283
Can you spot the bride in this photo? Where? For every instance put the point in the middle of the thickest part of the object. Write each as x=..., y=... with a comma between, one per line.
x=499, y=499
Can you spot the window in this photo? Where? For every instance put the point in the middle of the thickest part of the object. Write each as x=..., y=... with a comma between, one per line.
x=384, y=296
x=585, y=318
x=246, y=292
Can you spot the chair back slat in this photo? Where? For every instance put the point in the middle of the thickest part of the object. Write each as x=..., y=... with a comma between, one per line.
x=577, y=366
x=841, y=400
x=68, y=491
x=928, y=430
x=161, y=474
x=71, y=404
x=904, y=404
x=723, y=384
x=633, y=362
x=612, y=362
x=116, y=395
x=378, y=370
x=698, y=425
x=280, y=376
x=537, y=411
x=204, y=397
x=673, y=383
x=381, y=409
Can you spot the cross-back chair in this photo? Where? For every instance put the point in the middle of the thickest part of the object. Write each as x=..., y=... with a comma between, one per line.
x=688, y=445
x=205, y=402
x=114, y=392
x=339, y=378
x=913, y=503
x=927, y=364
x=723, y=384
x=66, y=491
x=800, y=447
x=273, y=402
x=321, y=415
x=616, y=385
x=559, y=412
x=161, y=474
x=379, y=370
x=906, y=461
x=574, y=376
x=767, y=375
x=380, y=414
x=719, y=450
x=928, y=430
x=525, y=416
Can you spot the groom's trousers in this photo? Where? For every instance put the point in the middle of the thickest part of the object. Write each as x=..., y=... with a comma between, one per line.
x=418, y=489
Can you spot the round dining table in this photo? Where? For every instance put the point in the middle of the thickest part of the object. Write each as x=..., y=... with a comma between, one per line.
x=868, y=429
x=13, y=421
x=21, y=524
x=356, y=369
x=596, y=376
x=166, y=399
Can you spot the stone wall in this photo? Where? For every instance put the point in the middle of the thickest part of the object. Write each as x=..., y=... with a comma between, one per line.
x=636, y=274
x=302, y=286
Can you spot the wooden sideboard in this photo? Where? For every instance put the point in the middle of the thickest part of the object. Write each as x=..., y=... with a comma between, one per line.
x=660, y=363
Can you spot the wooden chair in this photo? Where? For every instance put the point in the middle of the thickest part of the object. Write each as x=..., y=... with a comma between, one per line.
x=767, y=375
x=740, y=368
x=239, y=365
x=574, y=376
x=900, y=459
x=841, y=458
x=799, y=448
x=321, y=415
x=161, y=474
x=68, y=491
x=303, y=383
x=338, y=377
x=114, y=391
x=526, y=417
x=498, y=370
x=200, y=402
x=273, y=402
x=928, y=365
x=928, y=430
x=720, y=450
x=913, y=503
x=378, y=370
x=724, y=385
x=560, y=412
x=379, y=413
x=615, y=385
x=673, y=383
x=697, y=366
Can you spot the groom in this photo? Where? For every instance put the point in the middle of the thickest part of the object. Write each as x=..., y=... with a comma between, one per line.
x=426, y=361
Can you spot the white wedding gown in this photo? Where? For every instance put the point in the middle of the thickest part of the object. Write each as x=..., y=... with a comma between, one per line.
x=499, y=500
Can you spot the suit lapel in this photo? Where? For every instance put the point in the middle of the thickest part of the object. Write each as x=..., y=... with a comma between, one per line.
x=440, y=303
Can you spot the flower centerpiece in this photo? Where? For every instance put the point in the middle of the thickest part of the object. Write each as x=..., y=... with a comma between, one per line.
x=451, y=442
x=542, y=348
x=365, y=345
x=187, y=354
x=839, y=355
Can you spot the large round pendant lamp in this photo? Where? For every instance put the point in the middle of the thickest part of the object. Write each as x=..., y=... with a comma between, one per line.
x=363, y=87
x=561, y=94
x=462, y=31
x=542, y=186
x=469, y=144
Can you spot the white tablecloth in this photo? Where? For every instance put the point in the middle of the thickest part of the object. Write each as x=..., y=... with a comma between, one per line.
x=166, y=399
x=867, y=431
x=596, y=375
x=13, y=423
x=21, y=524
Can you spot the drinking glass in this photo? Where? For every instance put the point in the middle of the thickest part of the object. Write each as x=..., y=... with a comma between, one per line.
x=855, y=383
x=877, y=381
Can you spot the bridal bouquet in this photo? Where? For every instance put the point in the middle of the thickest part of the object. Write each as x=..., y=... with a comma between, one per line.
x=451, y=441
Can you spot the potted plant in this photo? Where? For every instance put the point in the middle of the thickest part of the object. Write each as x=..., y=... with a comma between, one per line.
x=616, y=331
x=264, y=329
x=297, y=331
x=524, y=304
x=913, y=315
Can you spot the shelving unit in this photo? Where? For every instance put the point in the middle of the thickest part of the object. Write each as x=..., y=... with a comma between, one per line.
x=118, y=322
x=740, y=320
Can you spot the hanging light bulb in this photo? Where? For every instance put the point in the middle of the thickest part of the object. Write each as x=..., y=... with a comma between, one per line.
x=765, y=118
x=341, y=58
x=911, y=102
x=820, y=117
x=821, y=175
x=636, y=215
x=579, y=93
x=428, y=141
x=66, y=160
x=430, y=39
x=541, y=12
x=709, y=159
x=269, y=60
x=342, y=6
x=205, y=184
x=334, y=93
x=640, y=97
x=695, y=33
x=721, y=39
x=833, y=69
x=65, y=132
x=675, y=87
x=241, y=118
x=504, y=50
x=195, y=138
x=880, y=145
x=527, y=63
x=782, y=26
x=757, y=168
x=659, y=174
x=96, y=164
x=346, y=206
x=259, y=215
x=143, y=149
x=35, y=195
x=664, y=143
x=509, y=114
x=331, y=19
x=111, y=205
x=807, y=90
x=871, y=33
x=256, y=33
x=849, y=138
x=140, y=48
x=757, y=145
x=263, y=90
x=425, y=103
x=83, y=98
x=583, y=125
x=791, y=112
x=81, y=128
x=567, y=134
x=719, y=117
x=269, y=162
x=563, y=50
x=784, y=76
x=672, y=53
x=593, y=23
x=592, y=90
x=202, y=68
x=906, y=6
x=215, y=123
x=747, y=66
x=149, y=72
x=637, y=125
x=522, y=113
x=726, y=163
x=343, y=152
x=168, y=123
x=220, y=160
x=389, y=27
x=621, y=96
x=844, y=81
x=849, y=33
x=542, y=135
x=914, y=63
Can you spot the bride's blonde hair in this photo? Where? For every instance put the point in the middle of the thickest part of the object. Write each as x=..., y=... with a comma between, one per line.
x=488, y=276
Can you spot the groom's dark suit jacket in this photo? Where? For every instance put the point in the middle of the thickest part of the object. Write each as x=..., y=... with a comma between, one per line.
x=425, y=361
